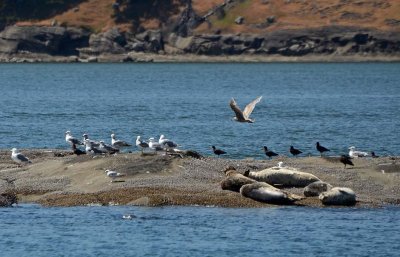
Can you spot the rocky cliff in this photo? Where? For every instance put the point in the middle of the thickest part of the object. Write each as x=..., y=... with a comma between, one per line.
x=183, y=32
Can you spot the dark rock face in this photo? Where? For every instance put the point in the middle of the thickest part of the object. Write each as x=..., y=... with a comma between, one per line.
x=49, y=40
x=295, y=42
x=61, y=41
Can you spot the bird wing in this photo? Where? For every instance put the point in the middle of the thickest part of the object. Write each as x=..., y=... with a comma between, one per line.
x=22, y=158
x=250, y=107
x=236, y=109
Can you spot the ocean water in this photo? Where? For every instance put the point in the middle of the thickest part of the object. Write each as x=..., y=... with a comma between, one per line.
x=31, y=230
x=337, y=104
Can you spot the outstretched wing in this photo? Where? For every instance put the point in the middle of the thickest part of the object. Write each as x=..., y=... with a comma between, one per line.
x=236, y=109
x=250, y=107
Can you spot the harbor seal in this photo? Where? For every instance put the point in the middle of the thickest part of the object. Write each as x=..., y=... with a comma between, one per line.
x=234, y=180
x=316, y=188
x=284, y=177
x=263, y=192
x=338, y=196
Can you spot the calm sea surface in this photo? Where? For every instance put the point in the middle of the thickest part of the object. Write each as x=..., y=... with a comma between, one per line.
x=30, y=230
x=338, y=105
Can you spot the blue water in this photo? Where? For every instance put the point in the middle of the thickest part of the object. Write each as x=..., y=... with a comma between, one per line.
x=338, y=105
x=30, y=230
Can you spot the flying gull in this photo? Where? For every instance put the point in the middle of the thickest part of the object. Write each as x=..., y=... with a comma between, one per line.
x=19, y=157
x=355, y=154
x=244, y=116
x=71, y=140
x=118, y=143
x=321, y=149
x=218, y=152
x=269, y=153
x=141, y=144
x=294, y=151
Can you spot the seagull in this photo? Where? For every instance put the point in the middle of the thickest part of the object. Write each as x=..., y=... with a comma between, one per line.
x=94, y=143
x=280, y=165
x=118, y=143
x=166, y=143
x=355, y=154
x=321, y=149
x=77, y=151
x=106, y=148
x=294, y=151
x=346, y=160
x=141, y=144
x=218, y=151
x=19, y=157
x=91, y=149
x=244, y=116
x=113, y=174
x=155, y=146
x=269, y=153
x=71, y=140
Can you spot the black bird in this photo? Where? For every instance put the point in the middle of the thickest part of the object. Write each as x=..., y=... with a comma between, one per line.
x=77, y=151
x=373, y=155
x=346, y=160
x=218, y=151
x=294, y=151
x=269, y=153
x=321, y=149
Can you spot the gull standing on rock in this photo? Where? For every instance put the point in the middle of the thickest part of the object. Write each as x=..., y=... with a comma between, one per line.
x=166, y=143
x=355, y=154
x=244, y=116
x=155, y=146
x=141, y=144
x=71, y=140
x=90, y=149
x=19, y=157
x=107, y=148
x=118, y=143
x=94, y=143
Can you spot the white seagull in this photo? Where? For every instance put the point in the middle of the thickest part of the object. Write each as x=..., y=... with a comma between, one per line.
x=71, y=140
x=107, y=148
x=94, y=143
x=141, y=144
x=244, y=116
x=118, y=143
x=90, y=149
x=355, y=154
x=19, y=157
x=166, y=143
x=113, y=174
x=155, y=146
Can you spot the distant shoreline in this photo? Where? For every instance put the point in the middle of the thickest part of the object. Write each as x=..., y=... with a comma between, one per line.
x=191, y=58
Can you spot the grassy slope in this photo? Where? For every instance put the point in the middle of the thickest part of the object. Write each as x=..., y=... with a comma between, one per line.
x=289, y=14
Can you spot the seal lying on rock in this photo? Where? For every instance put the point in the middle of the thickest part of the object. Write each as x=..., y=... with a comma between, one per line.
x=234, y=180
x=284, y=177
x=263, y=192
x=316, y=188
x=338, y=196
